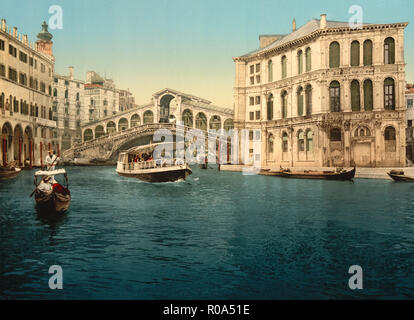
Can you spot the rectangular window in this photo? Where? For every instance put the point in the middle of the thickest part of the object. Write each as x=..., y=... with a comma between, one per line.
x=257, y=135
x=257, y=115
x=23, y=57
x=12, y=74
x=409, y=103
x=257, y=79
x=35, y=63
x=251, y=101
x=2, y=70
x=251, y=69
x=31, y=61
x=251, y=115
x=42, y=68
x=252, y=80
x=257, y=99
x=42, y=87
x=22, y=79
x=12, y=51
x=1, y=45
x=251, y=137
x=66, y=123
x=258, y=67
x=409, y=123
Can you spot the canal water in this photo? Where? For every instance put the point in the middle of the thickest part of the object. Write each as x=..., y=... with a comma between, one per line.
x=217, y=235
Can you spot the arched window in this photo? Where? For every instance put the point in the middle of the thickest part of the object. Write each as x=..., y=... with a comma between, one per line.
x=148, y=117
x=390, y=139
x=389, y=94
x=335, y=134
x=88, y=135
x=99, y=132
x=270, y=142
x=308, y=93
x=308, y=60
x=215, y=122
x=355, y=53
x=300, y=101
x=110, y=127
x=285, y=142
x=270, y=107
x=270, y=70
x=367, y=53
x=300, y=62
x=135, y=120
x=284, y=67
x=188, y=118
x=309, y=141
x=335, y=96
x=201, y=121
x=284, y=104
x=368, y=95
x=301, y=141
x=334, y=55
x=55, y=92
x=389, y=51
x=122, y=124
x=355, y=96
x=228, y=124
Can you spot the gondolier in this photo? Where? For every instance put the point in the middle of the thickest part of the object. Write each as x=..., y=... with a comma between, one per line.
x=51, y=160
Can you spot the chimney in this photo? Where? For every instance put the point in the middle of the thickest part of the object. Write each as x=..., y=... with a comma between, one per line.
x=25, y=39
x=3, y=24
x=294, y=25
x=71, y=73
x=323, y=21
x=15, y=32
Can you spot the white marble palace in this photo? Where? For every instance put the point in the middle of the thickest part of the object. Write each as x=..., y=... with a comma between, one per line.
x=325, y=95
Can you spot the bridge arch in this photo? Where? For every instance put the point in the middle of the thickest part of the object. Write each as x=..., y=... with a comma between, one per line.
x=201, y=121
x=135, y=120
x=99, y=131
x=148, y=117
x=87, y=135
x=122, y=124
x=110, y=127
x=215, y=122
x=187, y=118
x=165, y=108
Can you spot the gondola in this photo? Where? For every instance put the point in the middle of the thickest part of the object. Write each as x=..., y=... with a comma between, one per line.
x=50, y=196
x=338, y=174
x=9, y=172
x=399, y=176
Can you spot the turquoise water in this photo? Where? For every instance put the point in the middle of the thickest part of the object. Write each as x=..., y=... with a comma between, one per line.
x=217, y=235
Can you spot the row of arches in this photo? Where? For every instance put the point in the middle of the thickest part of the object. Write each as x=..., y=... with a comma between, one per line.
x=16, y=144
x=200, y=122
x=367, y=47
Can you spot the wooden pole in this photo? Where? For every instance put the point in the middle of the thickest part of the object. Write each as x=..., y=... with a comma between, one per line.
x=41, y=156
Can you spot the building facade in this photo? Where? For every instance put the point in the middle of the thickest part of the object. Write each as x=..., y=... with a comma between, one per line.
x=409, y=99
x=325, y=95
x=101, y=96
x=126, y=100
x=26, y=121
x=69, y=109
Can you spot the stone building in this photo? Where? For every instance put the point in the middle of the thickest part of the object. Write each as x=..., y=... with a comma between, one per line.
x=69, y=109
x=325, y=95
x=26, y=124
x=126, y=100
x=101, y=96
x=409, y=98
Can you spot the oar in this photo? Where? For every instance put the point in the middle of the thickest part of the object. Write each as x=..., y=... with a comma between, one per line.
x=46, y=170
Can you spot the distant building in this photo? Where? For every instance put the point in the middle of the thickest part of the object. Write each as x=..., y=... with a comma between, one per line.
x=69, y=109
x=325, y=95
x=101, y=96
x=126, y=100
x=409, y=98
x=26, y=122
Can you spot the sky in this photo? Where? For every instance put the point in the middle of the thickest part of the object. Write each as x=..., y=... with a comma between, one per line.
x=187, y=45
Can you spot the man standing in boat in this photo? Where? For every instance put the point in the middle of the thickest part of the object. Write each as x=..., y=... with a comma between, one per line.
x=51, y=160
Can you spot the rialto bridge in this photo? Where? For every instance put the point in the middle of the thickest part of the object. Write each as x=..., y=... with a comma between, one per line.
x=104, y=138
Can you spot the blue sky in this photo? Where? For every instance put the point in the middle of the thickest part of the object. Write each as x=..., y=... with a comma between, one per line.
x=187, y=45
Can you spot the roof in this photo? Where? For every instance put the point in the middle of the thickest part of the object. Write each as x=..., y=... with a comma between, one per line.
x=305, y=30
x=176, y=92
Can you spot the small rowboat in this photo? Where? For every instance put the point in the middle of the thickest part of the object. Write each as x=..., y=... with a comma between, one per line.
x=338, y=174
x=9, y=173
x=399, y=176
x=51, y=196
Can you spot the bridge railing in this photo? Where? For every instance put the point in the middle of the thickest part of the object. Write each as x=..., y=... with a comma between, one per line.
x=151, y=164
